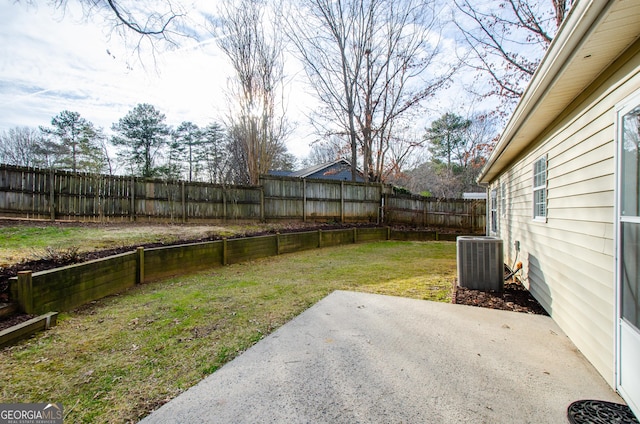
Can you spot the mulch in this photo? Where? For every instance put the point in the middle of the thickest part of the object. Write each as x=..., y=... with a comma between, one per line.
x=14, y=320
x=515, y=298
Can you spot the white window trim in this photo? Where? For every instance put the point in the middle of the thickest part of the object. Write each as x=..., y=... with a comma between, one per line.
x=493, y=212
x=540, y=218
x=626, y=105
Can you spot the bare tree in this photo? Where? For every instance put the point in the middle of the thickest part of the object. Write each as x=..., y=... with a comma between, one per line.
x=435, y=180
x=403, y=152
x=136, y=22
x=368, y=61
x=326, y=150
x=480, y=138
x=21, y=146
x=506, y=40
x=110, y=165
x=398, y=55
x=328, y=37
x=250, y=37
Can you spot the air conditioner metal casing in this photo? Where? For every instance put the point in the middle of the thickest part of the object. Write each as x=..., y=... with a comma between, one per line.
x=480, y=263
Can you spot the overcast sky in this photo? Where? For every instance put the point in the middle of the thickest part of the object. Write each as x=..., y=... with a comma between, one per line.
x=50, y=62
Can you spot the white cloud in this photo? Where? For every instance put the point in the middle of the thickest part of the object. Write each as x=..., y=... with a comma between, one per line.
x=51, y=61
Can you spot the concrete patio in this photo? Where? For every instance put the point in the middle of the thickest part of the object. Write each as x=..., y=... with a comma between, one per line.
x=365, y=358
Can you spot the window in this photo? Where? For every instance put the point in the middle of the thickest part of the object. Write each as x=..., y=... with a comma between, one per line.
x=540, y=189
x=494, y=211
x=630, y=163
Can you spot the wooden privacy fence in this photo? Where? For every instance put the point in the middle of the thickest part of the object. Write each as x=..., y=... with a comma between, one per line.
x=66, y=288
x=53, y=194
x=438, y=213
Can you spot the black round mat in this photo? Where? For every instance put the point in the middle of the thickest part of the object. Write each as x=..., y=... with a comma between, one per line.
x=600, y=412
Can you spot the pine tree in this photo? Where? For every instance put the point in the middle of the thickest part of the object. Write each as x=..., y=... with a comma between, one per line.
x=215, y=154
x=189, y=139
x=75, y=142
x=142, y=135
x=446, y=136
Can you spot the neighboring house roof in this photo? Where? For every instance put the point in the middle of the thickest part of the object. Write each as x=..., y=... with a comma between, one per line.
x=337, y=170
x=279, y=173
x=474, y=196
x=593, y=35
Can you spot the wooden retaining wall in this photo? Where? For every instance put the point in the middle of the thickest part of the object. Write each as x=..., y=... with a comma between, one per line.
x=62, y=289
x=61, y=195
x=66, y=288
x=162, y=262
x=13, y=334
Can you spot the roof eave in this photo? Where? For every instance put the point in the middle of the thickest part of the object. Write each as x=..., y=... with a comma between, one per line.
x=517, y=135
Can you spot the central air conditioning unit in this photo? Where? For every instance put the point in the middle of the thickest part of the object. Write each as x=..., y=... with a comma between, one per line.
x=480, y=263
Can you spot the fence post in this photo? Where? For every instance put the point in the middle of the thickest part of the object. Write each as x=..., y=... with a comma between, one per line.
x=224, y=204
x=225, y=259
x=132, y=190
x=25, y=291
x=424, y=213
x=98, y=201
x=304, y=200
x=473, y=216
x=355, y=234
x=52, y=197
x=184, y=206
x=381, y=191
x=261, y=203
x=383, y=201
x=342, y=202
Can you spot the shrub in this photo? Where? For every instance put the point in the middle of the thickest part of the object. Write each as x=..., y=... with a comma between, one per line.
x=67, y=255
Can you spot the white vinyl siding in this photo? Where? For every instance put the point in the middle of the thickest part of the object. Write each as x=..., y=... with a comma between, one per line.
x=503, y=199
x=568, y=262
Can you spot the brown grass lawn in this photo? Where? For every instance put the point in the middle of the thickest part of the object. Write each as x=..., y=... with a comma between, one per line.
x=119, y=358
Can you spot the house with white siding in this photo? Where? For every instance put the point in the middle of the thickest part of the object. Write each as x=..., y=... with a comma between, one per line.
x=564, y=187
